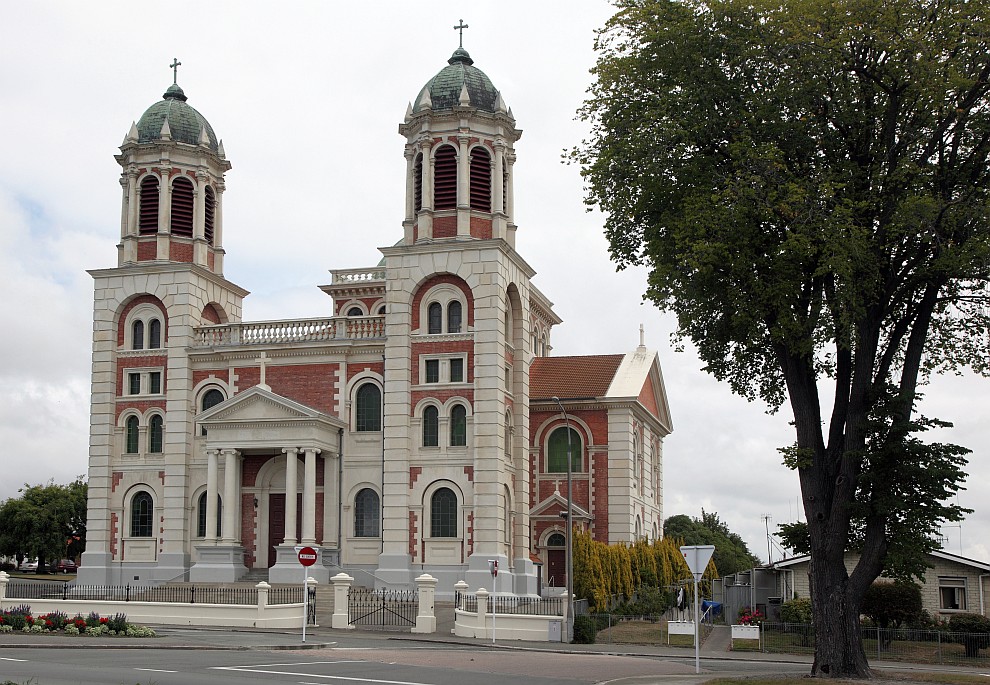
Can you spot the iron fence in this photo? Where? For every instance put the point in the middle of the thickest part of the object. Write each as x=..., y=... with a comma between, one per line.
x=287, y=594
x=382, y=609
x=175, y=594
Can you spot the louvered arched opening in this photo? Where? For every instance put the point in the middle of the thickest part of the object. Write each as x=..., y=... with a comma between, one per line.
x=418, y=182
x=505, y=188
x=182, y=207
x=445, y=178
x=481, y=180
x=148, y=214
x=211, y=212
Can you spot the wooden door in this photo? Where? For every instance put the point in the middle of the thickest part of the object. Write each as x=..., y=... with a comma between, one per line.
x=557, y=568
x=276, y=525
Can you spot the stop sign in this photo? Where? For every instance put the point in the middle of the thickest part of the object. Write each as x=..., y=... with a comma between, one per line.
x=307, y=556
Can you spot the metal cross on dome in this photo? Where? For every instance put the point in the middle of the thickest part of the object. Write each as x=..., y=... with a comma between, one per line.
x=460, y=29
x=175, y=70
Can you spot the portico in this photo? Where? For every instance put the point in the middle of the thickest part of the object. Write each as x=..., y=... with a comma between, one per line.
x=276, y=507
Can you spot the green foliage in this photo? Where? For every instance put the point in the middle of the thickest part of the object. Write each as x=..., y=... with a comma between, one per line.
x=974, y=632
x=889, y=605
x=808, y=183
x=731, y=551
x=794, y=536
x=585, y=630
x=46, y=521
x=796, y=610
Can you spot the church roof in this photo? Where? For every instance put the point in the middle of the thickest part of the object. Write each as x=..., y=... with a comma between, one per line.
x=185, y=124
x=572, y=377
x=444, y=89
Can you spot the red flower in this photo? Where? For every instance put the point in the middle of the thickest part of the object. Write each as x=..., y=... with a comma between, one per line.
x=104, y=620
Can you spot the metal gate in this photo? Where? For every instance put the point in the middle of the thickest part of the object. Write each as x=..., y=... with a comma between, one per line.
x=382, y=609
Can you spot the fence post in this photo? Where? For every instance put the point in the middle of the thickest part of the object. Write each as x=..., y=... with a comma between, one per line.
x=263, y=589
x=481, y=626
x=4, y=579
x=460, y=587
x=341, y=597
x=426, y=619
x=567, y=620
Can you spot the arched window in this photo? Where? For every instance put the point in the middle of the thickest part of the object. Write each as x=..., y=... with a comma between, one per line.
x=443, y=514
x=211, y=398
x=201, y=523
x=154, y=334
x=557, y=451
x=381, y=311
x=156, y=429
x=445, y=178
x=556, y=540
x=368, y=414
x=454, y=317
x=481, y=180
x=431, y=427
x=131, y=435
x=355, y=311
x=137, y=335
x=148, y=215
x=458, y=426
x=418, y=182
x=211, y=203
x=434, y=318
x=142, y=515
x=182, y=207
x=367, y=514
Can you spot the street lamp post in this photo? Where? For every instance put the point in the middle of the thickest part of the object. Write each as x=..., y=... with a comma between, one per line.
x=568, y=545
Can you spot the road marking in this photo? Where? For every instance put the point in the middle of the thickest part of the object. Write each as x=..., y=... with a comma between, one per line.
x=260, y=669
x=155, y=670
x=7, y=658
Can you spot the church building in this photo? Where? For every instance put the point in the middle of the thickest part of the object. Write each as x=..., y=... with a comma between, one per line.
x=419, y=426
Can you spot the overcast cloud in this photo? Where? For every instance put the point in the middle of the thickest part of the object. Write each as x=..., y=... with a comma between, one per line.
x=307, y=97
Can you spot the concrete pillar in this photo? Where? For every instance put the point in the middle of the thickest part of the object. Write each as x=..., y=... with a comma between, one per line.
x=291, y=490
x=211, y=496
x=341, y=595
x=481, y=626
x=426, y=620
x=263, y=589
x=231, y=531
x=309, y=497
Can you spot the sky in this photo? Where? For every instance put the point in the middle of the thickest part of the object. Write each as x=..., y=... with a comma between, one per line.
x=307, y=98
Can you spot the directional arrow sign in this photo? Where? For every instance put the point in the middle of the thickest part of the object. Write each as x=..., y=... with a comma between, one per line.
x=697, y=558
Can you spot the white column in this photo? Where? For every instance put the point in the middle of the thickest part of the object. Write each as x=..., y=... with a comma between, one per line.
x=291, y=489
x=498, y=197
x=231, y=535
x=330, y=521
x=309, y=497
x=211, y=496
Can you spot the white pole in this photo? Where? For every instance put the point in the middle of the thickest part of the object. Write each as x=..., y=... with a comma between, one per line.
x=494, y=581
x=697, y=647
x=305, y=601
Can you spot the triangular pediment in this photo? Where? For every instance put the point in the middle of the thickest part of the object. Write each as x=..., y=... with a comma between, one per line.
x=257, y=404
x=556, y=503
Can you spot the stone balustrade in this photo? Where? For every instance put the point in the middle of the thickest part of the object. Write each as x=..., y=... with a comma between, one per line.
x=358, y=275
x=290, y=331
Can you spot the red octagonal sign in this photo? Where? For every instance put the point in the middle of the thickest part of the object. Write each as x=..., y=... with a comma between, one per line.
x=307, y=556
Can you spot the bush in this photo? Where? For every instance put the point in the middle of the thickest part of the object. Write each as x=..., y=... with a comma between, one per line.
x=584, y=630
x=16, y=617
x=796, y=610
x=117, y=623
x=974, y=632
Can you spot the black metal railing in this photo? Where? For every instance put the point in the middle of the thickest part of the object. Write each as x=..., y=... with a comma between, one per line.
x=175, y=594
x=286, y=594
x=382, y=608
x=527, y=606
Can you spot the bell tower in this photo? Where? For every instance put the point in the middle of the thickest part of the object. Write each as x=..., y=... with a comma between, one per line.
x=172, y=180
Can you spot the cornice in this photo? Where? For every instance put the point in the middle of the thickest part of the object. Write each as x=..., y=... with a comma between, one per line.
x=146, y=268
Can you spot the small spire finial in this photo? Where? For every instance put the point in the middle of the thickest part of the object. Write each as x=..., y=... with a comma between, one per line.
x=642, y=336
x=460, y=29
x=175, y=70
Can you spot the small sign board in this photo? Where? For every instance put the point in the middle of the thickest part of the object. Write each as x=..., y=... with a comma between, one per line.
x=307, y=556
x=493, y=567
x=697, y=558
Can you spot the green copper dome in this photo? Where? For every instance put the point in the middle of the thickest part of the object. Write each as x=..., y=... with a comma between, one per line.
x=445, y=87
x=184, y=122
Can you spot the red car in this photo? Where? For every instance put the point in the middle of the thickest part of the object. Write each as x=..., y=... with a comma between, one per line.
x=66, y=566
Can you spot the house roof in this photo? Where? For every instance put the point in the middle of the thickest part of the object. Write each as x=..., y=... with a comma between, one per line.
x=572, y=377
x=938, y=554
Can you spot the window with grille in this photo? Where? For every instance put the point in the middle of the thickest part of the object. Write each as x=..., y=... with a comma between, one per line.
x=201, y=524
x=131, y=438
x=369, y=408
x=556, y=540
x=454, y=317
x=445, y=178
x=481, y=180
x=443, y=514
x=182, y=207
x=434, y=318
x=557, y=450
x=458, y=426
x=431, y=427
x=142, y=515
x=133, y=384
x=156, y=430
x=367, y=514
x=211, y=210
x=137, y=335
x=154, y=334
x=148, y=214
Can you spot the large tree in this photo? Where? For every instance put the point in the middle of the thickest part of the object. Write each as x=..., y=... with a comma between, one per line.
x=807, y=182
x=731, y=551
x=46, y=521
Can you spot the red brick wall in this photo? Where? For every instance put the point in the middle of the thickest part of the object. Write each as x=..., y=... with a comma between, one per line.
x=248, y=513
x=445, y=226
x=180, y=252
x=114, y=533
x=470, y=536
x=250, y=467
x=141, y=406
x=211, y=259
x=311, y=384
x=599, y=475
x=437, y=280
x=147, y=250
x=649, y=399
x=481, y=228
x=419, y=349
x=413, y=530
x=122, y=331
x=414, y=472
x=201, y=375
x=210, y=314
x=360, y=367
x=418, y=396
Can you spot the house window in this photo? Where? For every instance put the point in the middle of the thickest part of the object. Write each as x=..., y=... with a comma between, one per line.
x=154, y=334
x=457, y=370
x=131, y=446
x=211, y=398
x=133, y=384
x=367, y=514
x=952, y=594
x=431, y=427
x=137, y=335
x=142, y=515
x=369, y=408
x=432, y=370
x=557, y=450
x=434, y=318
x=454, y=317
x=155, y=382
x=155, y=434
x=443, y=514
x=201, y=523
x=458, y=426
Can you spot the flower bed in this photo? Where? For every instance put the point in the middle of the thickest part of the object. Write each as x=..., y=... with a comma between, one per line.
x=20, y=619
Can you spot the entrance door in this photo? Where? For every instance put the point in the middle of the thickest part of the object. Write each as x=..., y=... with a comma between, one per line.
x=557, y=568
x=276, y=523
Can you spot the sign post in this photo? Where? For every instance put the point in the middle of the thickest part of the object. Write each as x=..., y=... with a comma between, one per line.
x=307, y=557
x=493, y=569
x=697, y=558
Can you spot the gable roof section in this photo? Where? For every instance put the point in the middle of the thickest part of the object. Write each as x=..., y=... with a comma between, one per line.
x=639, y=378
x=938, y=554
x=583, y=377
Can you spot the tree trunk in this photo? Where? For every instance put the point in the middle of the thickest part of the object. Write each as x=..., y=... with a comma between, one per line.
x=839, y=645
